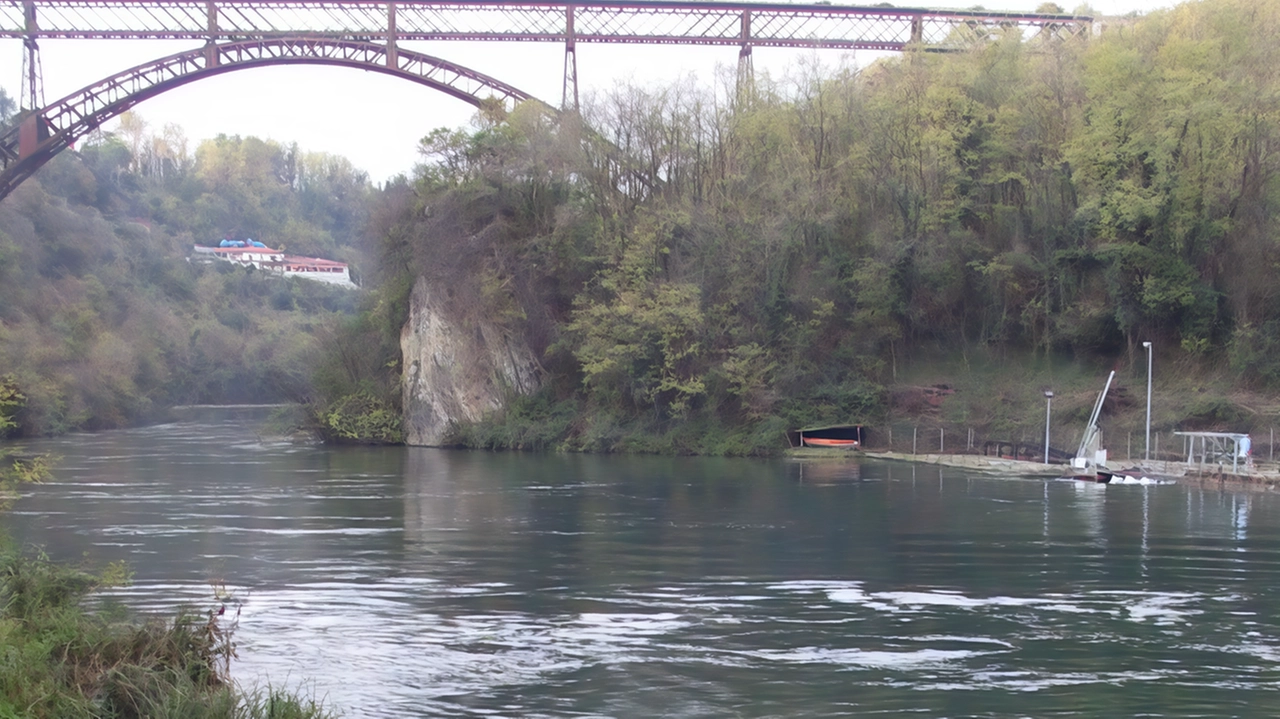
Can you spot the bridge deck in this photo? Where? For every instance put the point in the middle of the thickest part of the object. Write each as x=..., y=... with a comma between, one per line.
x=602, y=21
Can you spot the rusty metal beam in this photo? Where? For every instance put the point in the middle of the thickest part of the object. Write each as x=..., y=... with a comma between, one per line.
x=603, y=21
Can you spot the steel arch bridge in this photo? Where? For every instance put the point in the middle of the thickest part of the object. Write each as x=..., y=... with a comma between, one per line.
x=366, y=34
x=41, y=135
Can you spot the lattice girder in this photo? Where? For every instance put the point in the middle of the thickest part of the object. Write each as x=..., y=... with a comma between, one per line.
x=686, y=23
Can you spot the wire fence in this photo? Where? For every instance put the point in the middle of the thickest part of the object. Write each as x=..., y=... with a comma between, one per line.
x=933, y=437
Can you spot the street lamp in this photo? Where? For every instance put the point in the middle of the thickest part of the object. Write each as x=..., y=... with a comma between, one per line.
x=1048, y=402
x=1147, y=345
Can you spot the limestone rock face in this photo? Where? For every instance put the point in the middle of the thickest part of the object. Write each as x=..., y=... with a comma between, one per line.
x=456, y=371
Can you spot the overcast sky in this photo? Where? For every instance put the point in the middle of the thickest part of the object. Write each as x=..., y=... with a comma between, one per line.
x=376, y=120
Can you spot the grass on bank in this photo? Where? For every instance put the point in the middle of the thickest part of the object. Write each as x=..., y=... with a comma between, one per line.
x=1003, y=398
x=61, y=660
x=997, y=396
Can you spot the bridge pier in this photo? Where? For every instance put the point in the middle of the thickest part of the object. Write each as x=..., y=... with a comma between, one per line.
x=569, y=92
x=746, y=85
x=31, y=96
x=393, y=54
x=31, y=132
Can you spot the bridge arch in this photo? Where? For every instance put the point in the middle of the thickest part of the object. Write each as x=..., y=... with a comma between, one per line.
x=41, y=135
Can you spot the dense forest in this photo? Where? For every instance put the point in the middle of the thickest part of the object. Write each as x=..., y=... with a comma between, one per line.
x=104, y=320
x=708, y=264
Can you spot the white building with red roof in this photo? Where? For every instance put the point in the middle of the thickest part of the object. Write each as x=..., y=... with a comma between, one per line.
x=266, y=259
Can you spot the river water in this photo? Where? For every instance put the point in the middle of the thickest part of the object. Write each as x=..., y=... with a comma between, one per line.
x=426, y=583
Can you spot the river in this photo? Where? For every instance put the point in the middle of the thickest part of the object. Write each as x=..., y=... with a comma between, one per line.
x=410, y=582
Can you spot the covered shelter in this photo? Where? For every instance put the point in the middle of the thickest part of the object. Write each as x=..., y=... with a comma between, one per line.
x=1204, y=448
x=848, y=436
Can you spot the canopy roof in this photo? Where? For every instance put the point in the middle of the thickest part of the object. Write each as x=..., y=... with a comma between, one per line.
x=834, y=426
x=1212, y=435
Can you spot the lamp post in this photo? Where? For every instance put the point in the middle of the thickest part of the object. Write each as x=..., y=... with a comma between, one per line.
x=1147, y=345
x=1048, y=402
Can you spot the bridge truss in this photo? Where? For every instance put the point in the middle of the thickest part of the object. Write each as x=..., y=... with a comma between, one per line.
x=367, y=33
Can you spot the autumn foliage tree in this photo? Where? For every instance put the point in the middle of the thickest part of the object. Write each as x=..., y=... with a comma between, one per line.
x=695, y=256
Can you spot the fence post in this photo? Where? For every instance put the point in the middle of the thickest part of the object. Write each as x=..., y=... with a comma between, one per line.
x=914, y=432
x=1156, y=454
x=942, y=440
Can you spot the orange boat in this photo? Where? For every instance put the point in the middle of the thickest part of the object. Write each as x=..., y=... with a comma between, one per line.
x=840, y=436
x=822, y=442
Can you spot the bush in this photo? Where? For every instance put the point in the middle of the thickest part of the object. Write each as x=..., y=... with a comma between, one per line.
x=359, y=418
x=536, y=422
x=58, y=660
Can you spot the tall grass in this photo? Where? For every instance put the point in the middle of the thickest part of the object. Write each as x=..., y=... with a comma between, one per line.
x=61, y=660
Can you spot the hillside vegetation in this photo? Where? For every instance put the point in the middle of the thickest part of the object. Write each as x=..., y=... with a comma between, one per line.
x=104, y=321
x=776, y=258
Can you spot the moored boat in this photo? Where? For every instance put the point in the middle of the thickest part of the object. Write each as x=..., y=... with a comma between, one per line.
x=828, y=442
x=1095, y=477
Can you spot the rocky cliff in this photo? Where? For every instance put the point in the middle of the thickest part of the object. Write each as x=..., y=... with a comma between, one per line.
x=456, y=370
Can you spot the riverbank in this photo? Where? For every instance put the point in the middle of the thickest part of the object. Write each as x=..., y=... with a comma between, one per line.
x=63, y=655
x=940, y=406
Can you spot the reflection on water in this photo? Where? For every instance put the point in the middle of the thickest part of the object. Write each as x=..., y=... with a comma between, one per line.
x=416, y=582
x=829, y=471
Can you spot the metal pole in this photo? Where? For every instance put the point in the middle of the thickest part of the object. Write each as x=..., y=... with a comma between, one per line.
x=914, y=432
x=942, y=440
x=1048, y=403
x=1148, y=445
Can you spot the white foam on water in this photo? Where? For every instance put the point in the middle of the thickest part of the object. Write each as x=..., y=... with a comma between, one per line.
x=957, y=638
x=466, y=590
x=1069, y=608
x=1025, y=681
x=813, y=585
x=1265, y=652
x=950, y=599
x=1146, y=481
x=857, y=596
x=1161, y=609
x=632, y=624
x=446, y=655
x=877, y=659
